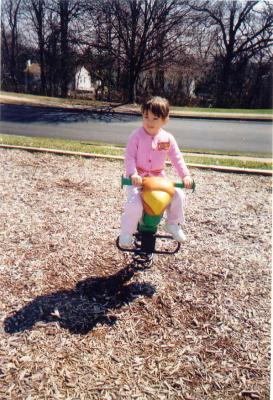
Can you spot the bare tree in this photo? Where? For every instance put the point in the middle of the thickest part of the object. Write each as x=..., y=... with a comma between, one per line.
x=99, y=54
x=10, y=37
x=242, y=29
x=52, y=54
x=143, y=35
x=67, y=12
x=36, y=11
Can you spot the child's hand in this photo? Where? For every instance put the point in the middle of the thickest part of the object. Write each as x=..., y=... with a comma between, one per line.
x=136, y=180
x=188, y=181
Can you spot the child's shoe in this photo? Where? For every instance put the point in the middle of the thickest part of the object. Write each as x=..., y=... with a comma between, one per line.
x=176, y=232
x=125, y=240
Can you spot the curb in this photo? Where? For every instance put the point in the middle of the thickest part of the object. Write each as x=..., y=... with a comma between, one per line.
x=220, y=117
x=103, y=156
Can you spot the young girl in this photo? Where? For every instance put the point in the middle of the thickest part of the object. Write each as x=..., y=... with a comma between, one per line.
x=145, y=155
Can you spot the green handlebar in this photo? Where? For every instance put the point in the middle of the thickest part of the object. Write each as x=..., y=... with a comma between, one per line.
x=128, y=182
x=125, y=181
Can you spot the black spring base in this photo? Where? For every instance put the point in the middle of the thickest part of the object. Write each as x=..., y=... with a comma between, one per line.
x=142, y=261
x=145, y=247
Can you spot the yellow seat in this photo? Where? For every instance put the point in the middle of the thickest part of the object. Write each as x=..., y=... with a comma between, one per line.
x=156, y=194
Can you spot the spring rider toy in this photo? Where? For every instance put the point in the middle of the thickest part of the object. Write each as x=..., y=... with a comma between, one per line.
x=156, y=193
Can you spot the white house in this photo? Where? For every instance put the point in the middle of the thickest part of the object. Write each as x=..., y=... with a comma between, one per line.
x=32, y=77
x=83, y=80
x=83, y=83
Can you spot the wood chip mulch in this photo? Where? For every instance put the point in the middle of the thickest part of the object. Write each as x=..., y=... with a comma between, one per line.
x=75, y=323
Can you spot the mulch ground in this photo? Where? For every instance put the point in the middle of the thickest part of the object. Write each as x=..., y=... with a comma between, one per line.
x=75, y=323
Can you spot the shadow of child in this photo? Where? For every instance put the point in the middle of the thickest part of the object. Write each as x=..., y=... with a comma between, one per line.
x=79, y=310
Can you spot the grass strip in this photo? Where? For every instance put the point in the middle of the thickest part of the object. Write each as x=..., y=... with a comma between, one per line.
x=61, y=144
x=95, y=148
x=96, y=103
x=59, y=100
x=227, y=162
x=224, y=110
x=227, y=153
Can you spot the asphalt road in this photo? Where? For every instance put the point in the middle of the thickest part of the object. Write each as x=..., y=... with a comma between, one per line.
x=222, y=135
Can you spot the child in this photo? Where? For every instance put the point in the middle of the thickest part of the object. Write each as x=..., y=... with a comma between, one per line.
x=145, y=155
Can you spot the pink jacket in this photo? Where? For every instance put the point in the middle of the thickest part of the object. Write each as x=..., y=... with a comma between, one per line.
x=146, y=154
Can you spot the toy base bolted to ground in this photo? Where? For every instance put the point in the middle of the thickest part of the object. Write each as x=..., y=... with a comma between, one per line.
x=156, y=193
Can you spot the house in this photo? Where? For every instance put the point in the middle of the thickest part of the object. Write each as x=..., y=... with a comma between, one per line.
x=83, y=84
x=32, y=77
x=83, y=80
x=80, y=86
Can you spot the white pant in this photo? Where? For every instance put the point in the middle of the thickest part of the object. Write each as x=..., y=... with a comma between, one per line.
x=133, y=210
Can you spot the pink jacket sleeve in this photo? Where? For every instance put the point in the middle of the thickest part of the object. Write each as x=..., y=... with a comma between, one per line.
x=131, y=154
x=177, y=159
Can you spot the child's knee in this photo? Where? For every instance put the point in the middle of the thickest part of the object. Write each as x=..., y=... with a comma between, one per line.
x=134, y=200
x=134, y=206
x=179, y=196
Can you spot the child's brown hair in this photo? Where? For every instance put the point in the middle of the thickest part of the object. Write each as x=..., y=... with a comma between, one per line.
x=158, y=106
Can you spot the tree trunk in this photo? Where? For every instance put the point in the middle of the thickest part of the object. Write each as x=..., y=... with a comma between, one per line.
x=42, y=65
x=38, y=21
x=132, y=87
x=64, y=48
x=160, y=81
x=224, y=84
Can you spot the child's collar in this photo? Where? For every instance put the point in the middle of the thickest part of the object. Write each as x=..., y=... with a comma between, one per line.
x=152, y=136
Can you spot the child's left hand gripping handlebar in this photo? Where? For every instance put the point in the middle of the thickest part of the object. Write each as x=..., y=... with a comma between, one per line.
x=128, y=182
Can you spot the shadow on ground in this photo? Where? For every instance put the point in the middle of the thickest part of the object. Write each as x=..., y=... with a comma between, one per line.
x=79, y=310
x=54, y=115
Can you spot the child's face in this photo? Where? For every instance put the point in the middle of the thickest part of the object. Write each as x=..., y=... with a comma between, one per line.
x=152, y=123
